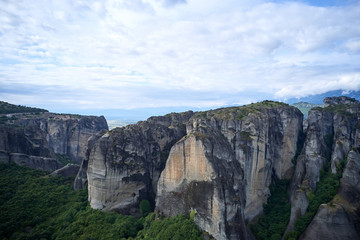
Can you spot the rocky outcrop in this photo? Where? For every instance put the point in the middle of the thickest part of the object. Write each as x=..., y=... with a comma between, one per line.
x=340, y=219
x=332, y=222
x=350, y=181
x=67, y=134
x=34, y=140
x=69, y=170
x=202, y=175
x=26, y=140
x=331, y=133
x=222, y=169
x=27, y=146
x=81, y=179
x=319, y=135
x=124, y=165
x=30, y=161
x=220, y=164
x=330, y=101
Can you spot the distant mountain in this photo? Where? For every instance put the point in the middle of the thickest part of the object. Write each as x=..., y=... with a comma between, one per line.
x=318, y=98
x=305, y=107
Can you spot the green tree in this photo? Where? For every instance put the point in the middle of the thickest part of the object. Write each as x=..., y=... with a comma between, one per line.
x=145, y=207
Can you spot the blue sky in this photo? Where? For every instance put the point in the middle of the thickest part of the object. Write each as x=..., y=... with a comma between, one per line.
x=116, y=55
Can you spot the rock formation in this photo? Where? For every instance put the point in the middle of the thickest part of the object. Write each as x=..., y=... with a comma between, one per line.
x=124, y=165
x=67, y=134
x=221, y=167
x=217, y=164
x=330, y=134
x=69, y=170
x=202, y=175
x=30, y=161
x=33, y=140
x=340, y=219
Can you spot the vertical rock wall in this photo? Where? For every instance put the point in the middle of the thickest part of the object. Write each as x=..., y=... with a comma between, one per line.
x=331, y=133
x=242, y=152
x=124, y=165
x=34, y=140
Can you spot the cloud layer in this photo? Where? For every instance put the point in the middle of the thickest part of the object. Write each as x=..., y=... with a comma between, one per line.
x=162, y=53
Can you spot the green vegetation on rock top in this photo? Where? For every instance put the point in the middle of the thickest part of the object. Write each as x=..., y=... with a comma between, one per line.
x=7, y=108
x=339, y=109
x=239, y=112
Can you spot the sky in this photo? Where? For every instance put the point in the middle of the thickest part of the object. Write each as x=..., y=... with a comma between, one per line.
x=113, y=57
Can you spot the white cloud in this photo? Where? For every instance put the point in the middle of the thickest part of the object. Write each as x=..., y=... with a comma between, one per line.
x=114, y=51
x=346, y=82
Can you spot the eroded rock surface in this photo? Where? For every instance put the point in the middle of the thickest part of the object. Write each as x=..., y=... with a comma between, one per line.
x=340, y=219
x=67, y=134
x=203, y=176
x=124, y=164
x=331, y=133
x=223, y=168
x=332, y=222
x=69, y=170
x=220, y=164
x=33, y=140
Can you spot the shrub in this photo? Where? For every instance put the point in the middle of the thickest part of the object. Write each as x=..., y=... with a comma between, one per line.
x=192, y=214
x=145, y=208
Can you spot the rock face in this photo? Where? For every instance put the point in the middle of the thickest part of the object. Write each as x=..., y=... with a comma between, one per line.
x=350, y=182
x=339, y=100
x=27, y=146
x=25, y=140
x=30, y=161
x=67, y=134
x=220, y=164
x=340, y=219
x=203, y=176
x=311, y=161
x=34, y=140
x=331, y=133
x=124, y=165
x=222, y=169
x=81, y=179
x=69, y=170
x=333, y=223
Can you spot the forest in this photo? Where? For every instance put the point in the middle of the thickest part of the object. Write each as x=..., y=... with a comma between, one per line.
x=37, y=206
